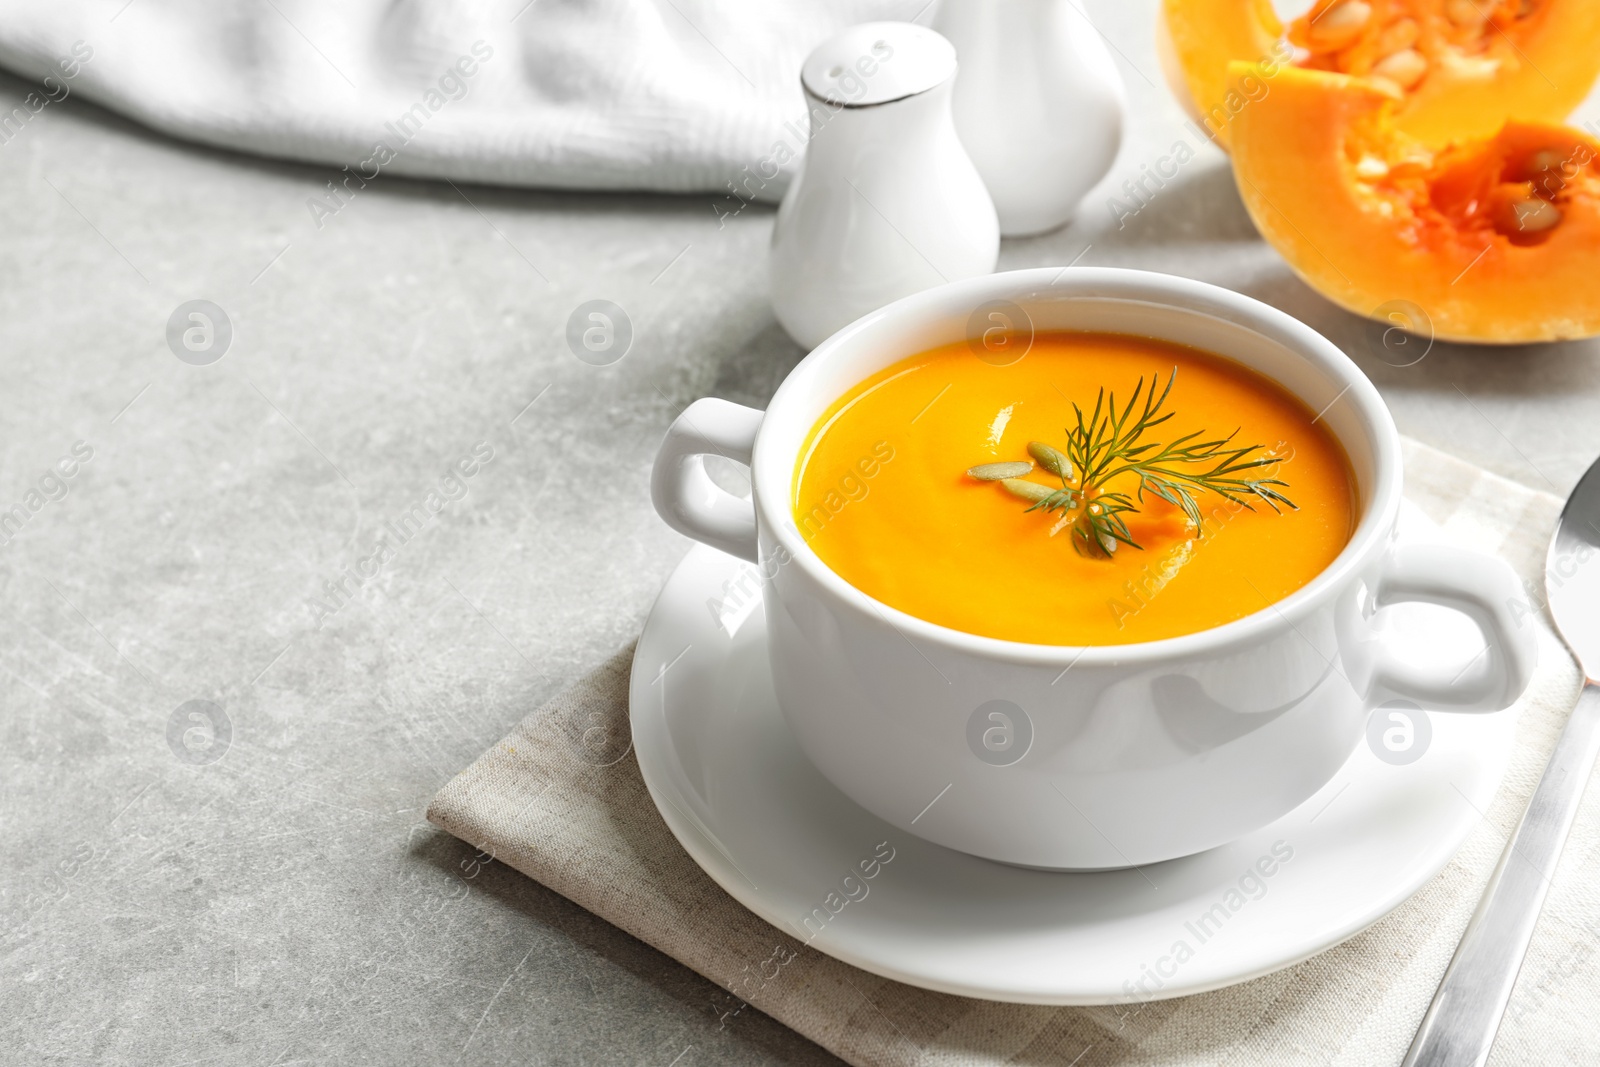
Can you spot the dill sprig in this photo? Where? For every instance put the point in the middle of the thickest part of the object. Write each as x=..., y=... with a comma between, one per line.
x=1110, y=442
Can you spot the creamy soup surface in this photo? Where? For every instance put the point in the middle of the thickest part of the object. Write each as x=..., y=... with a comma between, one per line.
x=883, y=496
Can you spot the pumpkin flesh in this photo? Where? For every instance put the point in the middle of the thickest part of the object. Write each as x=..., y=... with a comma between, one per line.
x=1495, y=239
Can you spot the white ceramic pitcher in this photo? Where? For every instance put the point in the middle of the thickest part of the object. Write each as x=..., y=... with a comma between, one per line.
x=1038, y=105
x=887, y=202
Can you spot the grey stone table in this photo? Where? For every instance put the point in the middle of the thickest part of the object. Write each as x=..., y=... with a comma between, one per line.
x=213, y=764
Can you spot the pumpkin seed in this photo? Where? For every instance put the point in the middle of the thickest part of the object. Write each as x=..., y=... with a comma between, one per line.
x=1536, y=216
x=1398, y=36
x=1343, y=18
x=1051, y=459
x=1405, y=68
x=994, y=472
x=1371, y=168
x=1032, y=492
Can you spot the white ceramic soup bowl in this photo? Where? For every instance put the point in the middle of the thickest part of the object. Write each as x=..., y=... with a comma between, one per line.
x=1091, y=757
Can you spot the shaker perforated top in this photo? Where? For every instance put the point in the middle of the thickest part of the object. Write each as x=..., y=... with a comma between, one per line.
x=877, y=63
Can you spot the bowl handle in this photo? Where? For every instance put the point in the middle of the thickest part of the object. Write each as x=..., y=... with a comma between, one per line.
x=682, y=491
x=1479, y=586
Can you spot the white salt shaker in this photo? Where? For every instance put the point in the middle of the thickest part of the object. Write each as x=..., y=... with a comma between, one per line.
x=1038, y=104
x=886, y=203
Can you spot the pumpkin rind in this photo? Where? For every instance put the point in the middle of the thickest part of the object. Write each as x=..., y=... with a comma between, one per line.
x=1426, y=233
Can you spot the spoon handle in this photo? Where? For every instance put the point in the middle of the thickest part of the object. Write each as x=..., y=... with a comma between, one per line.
x=1459, y=1028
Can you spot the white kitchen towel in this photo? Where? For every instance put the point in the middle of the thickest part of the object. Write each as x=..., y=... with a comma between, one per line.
x=670, y=95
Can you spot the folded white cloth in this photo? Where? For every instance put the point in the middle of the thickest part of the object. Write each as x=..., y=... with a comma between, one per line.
x=672, y=95
x=592, y=834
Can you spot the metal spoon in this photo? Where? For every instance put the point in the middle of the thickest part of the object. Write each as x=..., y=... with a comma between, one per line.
x=1460, y=1026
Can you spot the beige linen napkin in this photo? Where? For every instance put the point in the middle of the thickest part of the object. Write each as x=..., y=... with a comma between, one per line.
x=541, y=802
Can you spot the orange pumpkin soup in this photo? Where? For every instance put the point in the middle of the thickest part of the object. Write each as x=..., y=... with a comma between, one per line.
x=896, y=491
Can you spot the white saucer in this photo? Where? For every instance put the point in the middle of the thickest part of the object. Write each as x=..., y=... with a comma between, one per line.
x=735, y=789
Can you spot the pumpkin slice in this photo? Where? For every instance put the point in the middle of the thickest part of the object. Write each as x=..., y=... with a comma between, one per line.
x=1462, y=67
x=1495, y=239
